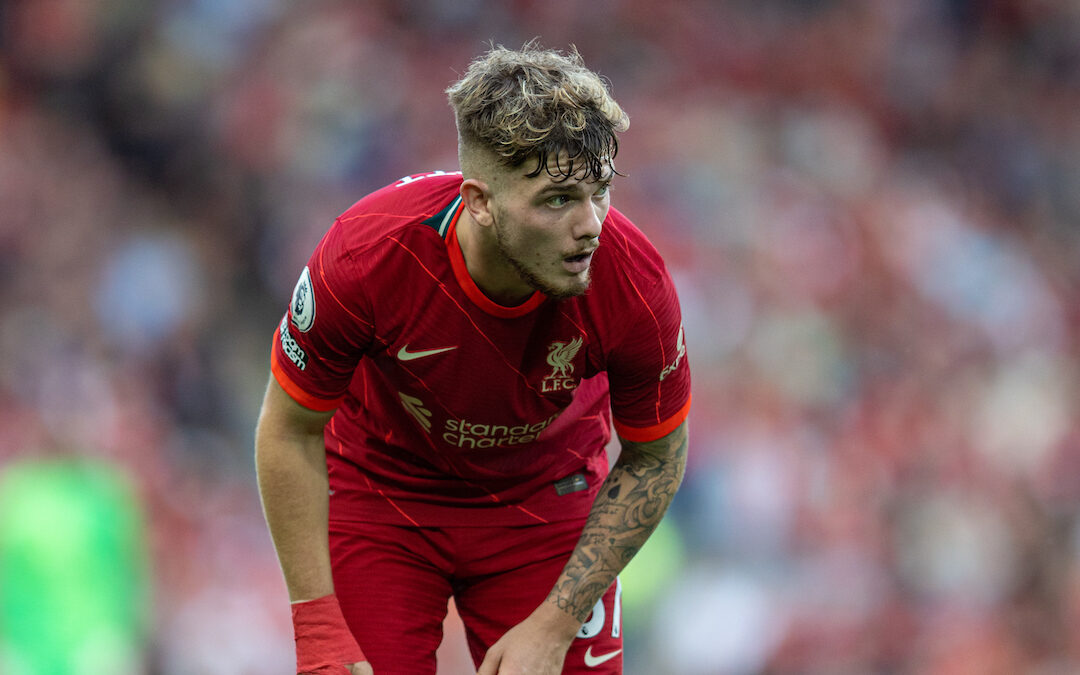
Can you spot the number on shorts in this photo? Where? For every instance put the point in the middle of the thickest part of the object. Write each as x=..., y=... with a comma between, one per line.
x=595, y=623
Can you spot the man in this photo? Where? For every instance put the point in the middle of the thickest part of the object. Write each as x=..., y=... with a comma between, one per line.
x=443, y=389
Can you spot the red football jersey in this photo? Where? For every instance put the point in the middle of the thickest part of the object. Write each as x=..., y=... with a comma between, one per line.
x=452, y=409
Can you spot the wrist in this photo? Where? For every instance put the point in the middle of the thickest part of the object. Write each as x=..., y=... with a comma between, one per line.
x=557, y=621
x=323, y=639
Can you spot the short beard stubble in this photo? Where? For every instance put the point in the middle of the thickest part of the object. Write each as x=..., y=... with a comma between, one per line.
x=531, y=278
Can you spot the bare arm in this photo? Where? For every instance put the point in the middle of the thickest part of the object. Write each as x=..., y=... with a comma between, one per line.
x=290, y=459
x=628, y=508
x=630, y=505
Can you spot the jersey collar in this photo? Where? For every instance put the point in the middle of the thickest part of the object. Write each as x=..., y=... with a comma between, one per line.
x=465, y=280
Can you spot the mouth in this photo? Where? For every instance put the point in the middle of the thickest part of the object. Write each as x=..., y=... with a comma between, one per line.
x=576, y=264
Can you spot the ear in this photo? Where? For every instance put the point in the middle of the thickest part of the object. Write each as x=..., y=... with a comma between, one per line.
x=476, y=196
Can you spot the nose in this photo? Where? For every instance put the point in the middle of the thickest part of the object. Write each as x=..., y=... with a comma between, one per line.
x=591, y=222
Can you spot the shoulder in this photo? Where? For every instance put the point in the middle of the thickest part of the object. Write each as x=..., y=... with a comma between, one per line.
x=387, y=230
x=626, y=256
x=403, y=208
x=631, y=286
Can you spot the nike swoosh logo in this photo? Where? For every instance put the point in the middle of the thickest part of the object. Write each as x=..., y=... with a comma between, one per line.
x=594, y=661
x=405, y=355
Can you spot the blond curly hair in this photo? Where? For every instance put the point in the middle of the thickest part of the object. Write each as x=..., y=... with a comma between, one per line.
x=541, y=104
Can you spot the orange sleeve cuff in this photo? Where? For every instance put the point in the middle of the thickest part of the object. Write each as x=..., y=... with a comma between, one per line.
x=296, y=393
x=656, y=431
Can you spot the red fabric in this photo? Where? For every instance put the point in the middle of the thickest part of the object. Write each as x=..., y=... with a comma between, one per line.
x=497, y=576
x=452, y=409
x=323, y=641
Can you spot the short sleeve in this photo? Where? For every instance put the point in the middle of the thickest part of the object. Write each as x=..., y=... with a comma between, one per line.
x=326, y=329
x=648, y=370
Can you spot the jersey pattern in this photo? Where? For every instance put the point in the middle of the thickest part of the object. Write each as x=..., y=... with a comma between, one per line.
x=452, y=409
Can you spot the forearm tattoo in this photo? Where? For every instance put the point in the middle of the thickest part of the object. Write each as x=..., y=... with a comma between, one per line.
x=628, y=508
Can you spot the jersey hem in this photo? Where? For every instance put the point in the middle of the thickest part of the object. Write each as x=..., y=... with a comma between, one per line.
x=353, y=508
x=656, y=431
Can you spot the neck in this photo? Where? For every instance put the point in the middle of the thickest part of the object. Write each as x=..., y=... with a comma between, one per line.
x=493, y=275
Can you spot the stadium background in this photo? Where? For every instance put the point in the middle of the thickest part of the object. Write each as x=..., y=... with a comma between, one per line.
x=871, y=209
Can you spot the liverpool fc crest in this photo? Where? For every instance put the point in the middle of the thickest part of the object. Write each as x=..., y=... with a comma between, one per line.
x=561, y=359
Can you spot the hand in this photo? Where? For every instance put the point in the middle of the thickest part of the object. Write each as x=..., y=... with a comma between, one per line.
x=536, y=646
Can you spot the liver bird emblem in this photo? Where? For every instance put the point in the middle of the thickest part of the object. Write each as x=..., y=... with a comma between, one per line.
x=561, y=355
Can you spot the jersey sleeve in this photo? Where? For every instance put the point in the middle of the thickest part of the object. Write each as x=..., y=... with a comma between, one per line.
x=326, y=329
x=649, y=371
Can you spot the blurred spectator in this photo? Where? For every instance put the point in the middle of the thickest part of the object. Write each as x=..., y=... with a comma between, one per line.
x=73, y=577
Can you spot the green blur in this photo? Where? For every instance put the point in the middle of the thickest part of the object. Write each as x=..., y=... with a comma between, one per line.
x=73, y=570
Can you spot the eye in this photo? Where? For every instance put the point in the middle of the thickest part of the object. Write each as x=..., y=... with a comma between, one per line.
x=603, y=190
x=558, y=201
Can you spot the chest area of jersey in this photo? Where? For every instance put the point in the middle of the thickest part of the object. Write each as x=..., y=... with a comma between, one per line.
x=528, y=366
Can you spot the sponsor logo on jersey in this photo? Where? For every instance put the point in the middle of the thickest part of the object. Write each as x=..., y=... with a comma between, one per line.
x=288, y=345
x=462, y=433
x=405, y=355
x=466, y=434
x=415, y=407
x=680, y=353
x=592, y=661
x=561, y=359
x=302, y=308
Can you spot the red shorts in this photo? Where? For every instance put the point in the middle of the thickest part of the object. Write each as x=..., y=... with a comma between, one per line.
x=394, y=584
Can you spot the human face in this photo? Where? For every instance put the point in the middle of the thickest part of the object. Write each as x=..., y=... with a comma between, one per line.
x=547, y=229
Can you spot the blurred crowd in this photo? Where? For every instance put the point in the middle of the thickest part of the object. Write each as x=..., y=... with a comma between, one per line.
x=871, y=210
